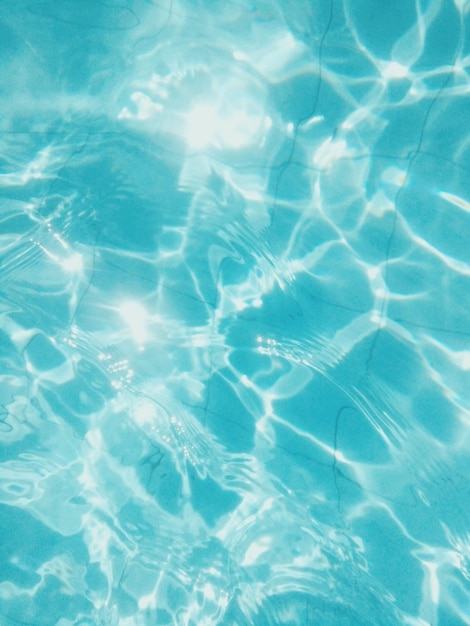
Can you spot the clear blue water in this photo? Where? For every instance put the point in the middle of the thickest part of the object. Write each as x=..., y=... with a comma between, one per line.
x=234, y=313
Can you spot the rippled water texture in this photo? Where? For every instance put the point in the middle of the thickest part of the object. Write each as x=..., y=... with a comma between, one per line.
x=234, y=312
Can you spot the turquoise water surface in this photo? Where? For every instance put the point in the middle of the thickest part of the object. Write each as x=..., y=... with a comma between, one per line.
x=234, y=312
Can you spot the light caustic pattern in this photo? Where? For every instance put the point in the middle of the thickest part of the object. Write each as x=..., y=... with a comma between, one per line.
x=235, y=282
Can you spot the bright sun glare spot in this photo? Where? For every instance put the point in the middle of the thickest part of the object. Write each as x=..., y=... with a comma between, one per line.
x=144, y=413
x=394, y=176
x=394, y=70
x=240, y=304
x=201, y=126
x=200, y=341
x=74, y=264
x=234, y=123
x=135, y=316
x=340, y=456
x=373, y=272
x=239, y=56
x=256, y=549
x=329, y=152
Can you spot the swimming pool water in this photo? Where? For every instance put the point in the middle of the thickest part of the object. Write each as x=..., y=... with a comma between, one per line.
x=234, y=313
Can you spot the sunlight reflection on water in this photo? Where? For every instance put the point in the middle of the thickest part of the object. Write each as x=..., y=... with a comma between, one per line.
x=234, y=314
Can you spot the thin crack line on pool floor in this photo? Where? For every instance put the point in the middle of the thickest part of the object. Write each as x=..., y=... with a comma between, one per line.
x=413, y=156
